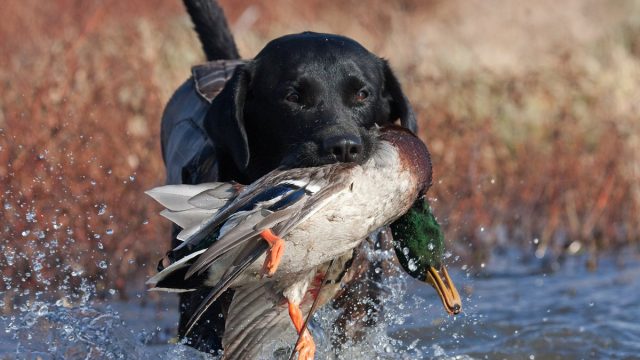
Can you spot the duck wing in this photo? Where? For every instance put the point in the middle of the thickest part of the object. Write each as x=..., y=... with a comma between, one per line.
x=302, y=199
x=225, y=282
x=279, y=201
x=240, y=234
x=257, y=323
x=264, y=189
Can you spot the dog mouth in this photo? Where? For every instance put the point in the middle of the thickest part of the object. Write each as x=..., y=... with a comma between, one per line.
x=345, y=149
x=303, y=155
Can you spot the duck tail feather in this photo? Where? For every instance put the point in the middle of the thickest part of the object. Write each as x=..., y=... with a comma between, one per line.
x=187, y=218
x=215, y=198
x=176, y=197
x=173, y=280
x=181, y=265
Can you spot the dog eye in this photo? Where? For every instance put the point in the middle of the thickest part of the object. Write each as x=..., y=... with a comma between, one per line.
x=293, y=97
x=361, y=95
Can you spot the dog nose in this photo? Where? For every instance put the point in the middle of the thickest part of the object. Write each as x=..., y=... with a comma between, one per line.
x=344, y=148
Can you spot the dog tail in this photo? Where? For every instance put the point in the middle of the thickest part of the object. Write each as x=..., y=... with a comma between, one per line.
x=212, y=28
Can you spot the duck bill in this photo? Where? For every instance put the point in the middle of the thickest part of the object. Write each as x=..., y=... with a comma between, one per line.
x=441, y=281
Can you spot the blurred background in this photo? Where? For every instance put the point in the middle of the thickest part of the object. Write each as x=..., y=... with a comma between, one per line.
x=531, y=111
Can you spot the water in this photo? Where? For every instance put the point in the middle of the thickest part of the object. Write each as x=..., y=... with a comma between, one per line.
x=570, y=314
x=511, y=311
x=118, y=330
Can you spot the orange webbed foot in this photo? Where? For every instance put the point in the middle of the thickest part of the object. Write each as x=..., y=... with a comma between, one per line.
x=305, y=347
x=274, y=254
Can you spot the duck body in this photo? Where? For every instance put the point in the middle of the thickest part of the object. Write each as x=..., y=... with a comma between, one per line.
x=291, y=225
x=366, y=198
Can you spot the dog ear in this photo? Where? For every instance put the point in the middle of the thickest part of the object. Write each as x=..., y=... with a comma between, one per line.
x=225, y=119
x=398, y=103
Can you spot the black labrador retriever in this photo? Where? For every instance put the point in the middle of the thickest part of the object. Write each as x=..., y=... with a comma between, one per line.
x=306, y=99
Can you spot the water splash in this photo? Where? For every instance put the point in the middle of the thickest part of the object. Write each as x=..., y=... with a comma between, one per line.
x=58, y=331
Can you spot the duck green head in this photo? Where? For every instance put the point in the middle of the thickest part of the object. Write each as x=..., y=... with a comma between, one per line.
x=419, y=245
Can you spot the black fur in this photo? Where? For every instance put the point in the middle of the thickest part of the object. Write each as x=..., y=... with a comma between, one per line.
x=306, y=99
x=254, y=121
x=211, y=26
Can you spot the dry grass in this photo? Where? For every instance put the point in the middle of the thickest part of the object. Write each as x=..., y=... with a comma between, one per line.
x=530, y=112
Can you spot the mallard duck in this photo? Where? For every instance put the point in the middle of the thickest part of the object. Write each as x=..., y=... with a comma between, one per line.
x=297, y=222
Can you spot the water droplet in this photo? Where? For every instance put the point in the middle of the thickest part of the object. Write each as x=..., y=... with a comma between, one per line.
x=7, y=206
x=100, y=246
x=31, y=216
x=412, y=265
x=9, y=256
x=377, y=270
x=536, y=241
x=430, y=246
x=42, y=310
x=132, y=178
x=102, y=208
x=405, y=250
x=26, y=232
x=30, y=319
x=37, y=267
x=103, y=264
x=109, y=232
x=482, y=265
x=112, y=291
x=93, y=183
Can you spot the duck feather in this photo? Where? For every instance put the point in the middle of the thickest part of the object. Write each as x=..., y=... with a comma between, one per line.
x=255, y=192
x=224, y=283
x=213, y=199
x=184, y=262
x=176, y=197
x=187, y=218
x=294, y=209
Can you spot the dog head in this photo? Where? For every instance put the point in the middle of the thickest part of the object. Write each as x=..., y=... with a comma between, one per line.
x=305, y=100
